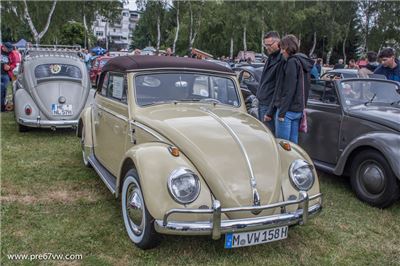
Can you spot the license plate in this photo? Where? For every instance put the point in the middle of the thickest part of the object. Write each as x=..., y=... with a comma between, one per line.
x=235, y=240
x=61, y=109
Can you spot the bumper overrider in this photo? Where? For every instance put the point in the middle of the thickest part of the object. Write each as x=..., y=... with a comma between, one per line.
x=216, y=227
x=48, y=123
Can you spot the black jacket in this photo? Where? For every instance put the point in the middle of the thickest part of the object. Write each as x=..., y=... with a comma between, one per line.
x=272, y=68
x=289, y=95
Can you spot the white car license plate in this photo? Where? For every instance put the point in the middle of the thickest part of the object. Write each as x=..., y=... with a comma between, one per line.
x=61, y=109
x=235, y=240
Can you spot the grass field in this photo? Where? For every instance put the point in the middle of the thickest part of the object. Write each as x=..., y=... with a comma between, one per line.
x=51, y=203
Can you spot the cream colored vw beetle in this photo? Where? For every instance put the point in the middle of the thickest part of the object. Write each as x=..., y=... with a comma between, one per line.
x=171, y=138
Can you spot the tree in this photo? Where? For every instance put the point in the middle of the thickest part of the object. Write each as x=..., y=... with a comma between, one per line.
x=73, y=33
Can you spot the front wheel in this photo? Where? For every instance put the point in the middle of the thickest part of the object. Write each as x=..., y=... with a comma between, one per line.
x=22, y=128
x=373, y=180
x=138, y=222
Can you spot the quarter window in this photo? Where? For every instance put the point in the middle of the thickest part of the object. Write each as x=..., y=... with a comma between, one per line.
x=323, y=91
x=116, y=87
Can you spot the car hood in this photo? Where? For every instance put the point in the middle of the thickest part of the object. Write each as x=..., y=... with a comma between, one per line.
x=384, y=115
x=209, y=145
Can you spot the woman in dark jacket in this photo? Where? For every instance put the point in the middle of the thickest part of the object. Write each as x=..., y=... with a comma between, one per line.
x=291, y=96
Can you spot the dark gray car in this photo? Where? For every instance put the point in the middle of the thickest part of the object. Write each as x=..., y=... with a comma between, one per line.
x=354, y=129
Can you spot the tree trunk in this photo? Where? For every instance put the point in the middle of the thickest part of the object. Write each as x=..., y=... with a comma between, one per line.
x=244, y=39
x=158, y=33
x=314, y=44
x=190, y=27
x=299, y=40
x=262, y=42
x=38, y=36
x=344, y=42
x=177, y=29
x=106, y=33
x=328, y=55
x=231, y=49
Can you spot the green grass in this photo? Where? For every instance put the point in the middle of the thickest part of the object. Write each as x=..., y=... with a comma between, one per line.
x=52, y=203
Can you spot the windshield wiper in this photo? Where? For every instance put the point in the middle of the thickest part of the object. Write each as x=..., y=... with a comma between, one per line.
x=370, y=100
x=395, y=102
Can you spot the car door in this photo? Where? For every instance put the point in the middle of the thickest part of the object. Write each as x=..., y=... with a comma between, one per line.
x=110, y=117
x=324, y=116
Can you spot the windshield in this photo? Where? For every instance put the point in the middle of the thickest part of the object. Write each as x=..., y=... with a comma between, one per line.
x=365, y=92
x=160, y=88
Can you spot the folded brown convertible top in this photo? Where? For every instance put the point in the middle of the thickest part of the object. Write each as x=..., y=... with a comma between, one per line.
x=136, y=62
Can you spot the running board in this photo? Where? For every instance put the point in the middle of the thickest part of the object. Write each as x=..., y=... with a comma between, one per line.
x=104, y=174
x=325, y=167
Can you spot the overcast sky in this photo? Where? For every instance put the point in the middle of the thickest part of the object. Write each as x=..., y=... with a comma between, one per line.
x=131, y=5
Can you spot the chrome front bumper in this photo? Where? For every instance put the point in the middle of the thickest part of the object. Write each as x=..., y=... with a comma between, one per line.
x=216, y=227
x=48, y=123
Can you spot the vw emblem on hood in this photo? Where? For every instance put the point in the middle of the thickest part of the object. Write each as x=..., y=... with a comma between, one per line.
x=62, y=99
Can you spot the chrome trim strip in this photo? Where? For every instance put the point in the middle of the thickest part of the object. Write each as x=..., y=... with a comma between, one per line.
x=145, y=128
x=48, y=123
x=111, y=112
x=237, y=225
x=101, y=176
x=253, y=182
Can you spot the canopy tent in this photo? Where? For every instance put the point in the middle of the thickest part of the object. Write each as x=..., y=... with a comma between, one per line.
x=21, y=43
x=98, y=50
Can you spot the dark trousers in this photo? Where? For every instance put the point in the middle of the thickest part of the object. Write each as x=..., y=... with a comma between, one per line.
x=5, y=79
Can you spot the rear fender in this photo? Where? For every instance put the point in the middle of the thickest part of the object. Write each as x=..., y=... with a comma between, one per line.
x=21, y=99
x=85, y=122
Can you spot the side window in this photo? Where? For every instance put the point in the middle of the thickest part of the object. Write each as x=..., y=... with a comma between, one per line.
x=200, y=86
x=117, y=87
x=105, y=85
x=248, y=77
x=323, y=91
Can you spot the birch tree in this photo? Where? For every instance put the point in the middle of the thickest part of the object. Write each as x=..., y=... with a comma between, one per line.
x=36, y=35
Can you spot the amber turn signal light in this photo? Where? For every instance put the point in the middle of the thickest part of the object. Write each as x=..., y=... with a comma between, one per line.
x=285, y=145
x=174, y=151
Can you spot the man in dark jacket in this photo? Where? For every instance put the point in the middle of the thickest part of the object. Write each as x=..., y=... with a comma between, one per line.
x=390, y=65
x=269, y=77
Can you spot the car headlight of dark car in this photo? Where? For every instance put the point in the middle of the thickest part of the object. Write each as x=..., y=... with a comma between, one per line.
x=301, y=175
x=184, y=185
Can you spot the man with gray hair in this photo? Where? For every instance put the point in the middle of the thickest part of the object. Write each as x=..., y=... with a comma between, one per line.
x=269, y=77
x=340, y=64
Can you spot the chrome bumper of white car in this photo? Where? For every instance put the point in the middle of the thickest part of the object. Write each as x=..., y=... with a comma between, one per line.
x=216, y=227
x=48, y=123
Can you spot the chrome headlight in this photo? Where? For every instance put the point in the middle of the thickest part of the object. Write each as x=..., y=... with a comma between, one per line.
x=301, y=175
x=184, y=185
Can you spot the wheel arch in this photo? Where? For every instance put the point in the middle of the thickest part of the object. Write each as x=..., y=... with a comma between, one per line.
x=386, y=143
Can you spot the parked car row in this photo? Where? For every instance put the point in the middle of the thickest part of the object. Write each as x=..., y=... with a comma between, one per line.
x=178, y=128
x=354, y=130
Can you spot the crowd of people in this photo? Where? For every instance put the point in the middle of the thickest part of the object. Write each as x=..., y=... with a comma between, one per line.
x=10, y=57
x=286, y=80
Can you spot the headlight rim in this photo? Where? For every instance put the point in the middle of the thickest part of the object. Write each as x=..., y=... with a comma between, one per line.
x=291, y=170
x=178, y=172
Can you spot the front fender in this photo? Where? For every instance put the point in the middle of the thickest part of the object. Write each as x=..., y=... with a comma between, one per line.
x=287, y=157
x=154, y=164
x=387, y=143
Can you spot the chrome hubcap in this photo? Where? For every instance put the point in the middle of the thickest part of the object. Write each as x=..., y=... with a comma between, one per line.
x=372, y=177
x=134, y=209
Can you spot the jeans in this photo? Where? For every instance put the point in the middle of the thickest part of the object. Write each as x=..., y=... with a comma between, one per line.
x=262, y=110
x=5, y=79
x=289, y=128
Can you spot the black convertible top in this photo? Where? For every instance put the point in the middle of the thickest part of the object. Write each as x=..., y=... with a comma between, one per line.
x=136, y=62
